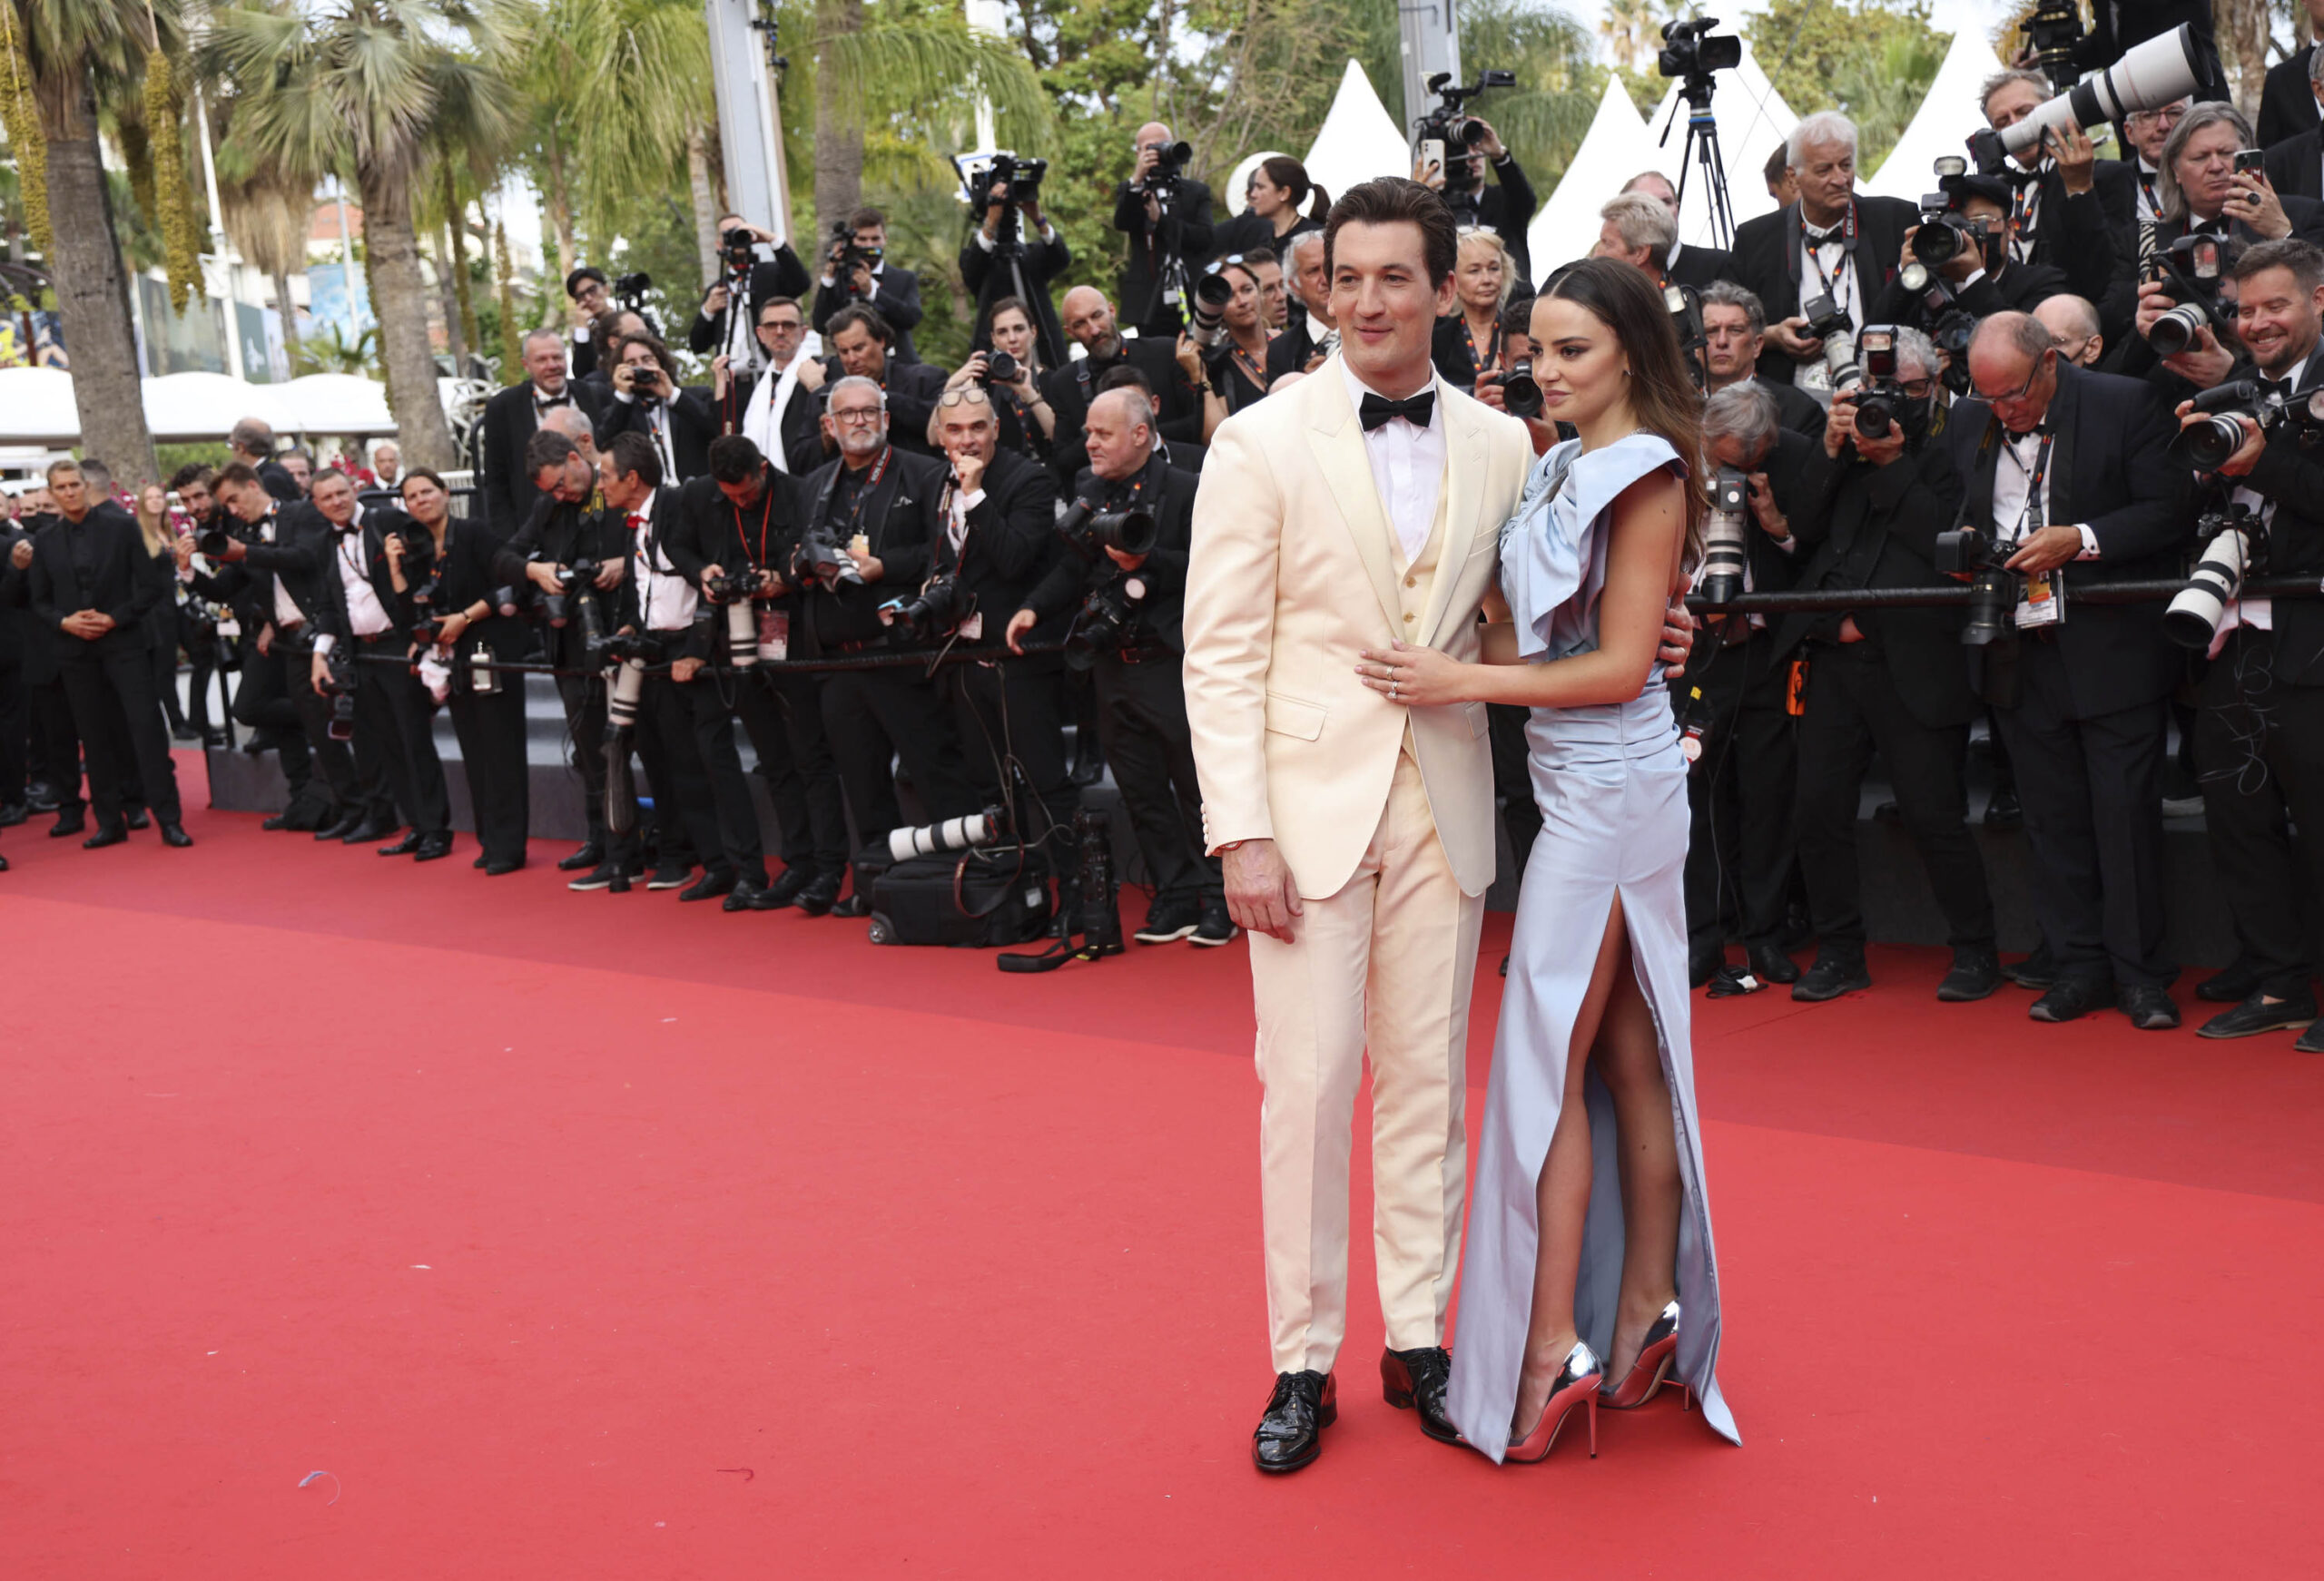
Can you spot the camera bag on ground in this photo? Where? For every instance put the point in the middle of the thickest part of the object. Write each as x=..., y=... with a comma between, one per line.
x=994, y=895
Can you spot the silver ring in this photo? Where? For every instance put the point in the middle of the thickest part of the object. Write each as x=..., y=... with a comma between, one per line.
x=1392, y=688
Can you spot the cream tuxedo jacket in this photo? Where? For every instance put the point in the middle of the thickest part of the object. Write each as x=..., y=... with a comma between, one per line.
x=1293, y=575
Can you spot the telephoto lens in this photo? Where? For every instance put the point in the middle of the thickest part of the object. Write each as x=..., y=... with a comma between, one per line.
x=1839, y=359
x=1213, y=291
x=2177, y=329
x=621, y=700
x=742, y=633
x=1133, y=531
x=953, y=834
x=1723, y=541
x=2192, y=619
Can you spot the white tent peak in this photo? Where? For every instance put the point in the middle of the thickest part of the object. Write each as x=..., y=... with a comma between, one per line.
x=1752, y=120
x=1358, y=141
x=1949, y=112
x=1616, y=148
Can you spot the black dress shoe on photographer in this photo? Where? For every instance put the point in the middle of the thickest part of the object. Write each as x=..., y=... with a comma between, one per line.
x=2071, y=999
x=1832, y=975
x=786, y=888
x=1703, y=964
x=68, y=823
x=369, y=829
x=600, y=876
x=503, y=868
x=2036, y=971
x=2237, y=983
x=582, y=861
x=433, y=847
x=2310, y=1041
x=1769, y=964
x=114, y=835
x=138, y=818
x=338, y=825
x=1290, y=1433
x=1976, y=974
x=1414, y=1381
x=1170, y=918
x=174, y=836
x=714, y=882
x=2256, y=1015
x=14, y=814
x=279, y=820
x=2004, y=812
x=40, y=798
x=819, y=893
x=746, y=896
x=856, y=905
x=2148, y=1007
x=402, y=847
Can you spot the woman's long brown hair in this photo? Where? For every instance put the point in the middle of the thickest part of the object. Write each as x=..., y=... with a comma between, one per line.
x=1662, y=398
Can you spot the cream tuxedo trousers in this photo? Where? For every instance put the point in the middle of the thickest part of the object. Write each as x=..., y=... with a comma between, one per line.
x=1388, y=963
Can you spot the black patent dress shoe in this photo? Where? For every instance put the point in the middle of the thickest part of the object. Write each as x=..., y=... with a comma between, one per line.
x=745, y=896
x=113, y=835
x=67, y=823
x=1414, y=1381
x=13, y=814
x=404, y=847
x=2310, y=1041
x=715, y=882
x=819, y=893
x=279, y=820
x=1976, y=974
x=174, y=836
x=2036, y=971
x=369, y=829
x=2148, y=1007
x=787, y=887
x=2237, y=983
x=2255, y=1016
x=1290, y=1433
x=481, y=862
x=504, y=867
x=1703, y=964
x=433, y=846
x=1770, y=964
x=853, y=906
x=1831, y=975
x=339, y=826
x=138, y=818
x=2071, y=999
x=590, y=854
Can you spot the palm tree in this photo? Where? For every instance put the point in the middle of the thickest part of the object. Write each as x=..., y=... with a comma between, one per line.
x=363, y=86
x=73, y=49
x=1632, y=30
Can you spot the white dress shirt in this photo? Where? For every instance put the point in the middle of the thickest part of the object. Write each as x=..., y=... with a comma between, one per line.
x=762, y=417
x=365, y=614
x=657, y=428
x=1407, y=465
x=287, y=613
x=2259, y=613
x=2012, y=474
x=1831, y=255
x=665, y=600
x=956, y=528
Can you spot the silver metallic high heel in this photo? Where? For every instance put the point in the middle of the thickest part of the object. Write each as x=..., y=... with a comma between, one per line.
x=1652, y=1369
x=1577, y=1384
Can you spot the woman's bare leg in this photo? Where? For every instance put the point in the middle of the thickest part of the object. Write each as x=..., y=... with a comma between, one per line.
x=1629, y=1055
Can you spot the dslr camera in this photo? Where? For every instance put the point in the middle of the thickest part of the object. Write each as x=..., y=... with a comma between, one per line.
x=2235, y=545
x=1090, y=531
x=1106, y=620
x=1993, y=586
x=1725, y=549
x=1881, y=395
x=2207, y=445
x=1827, y=323
x=630, y=291
x=1689, y=51
x=2191, y=267
x=932, y=613
x=1022, y=176
x=339, y=686
x=1000, y=369
x=1170, y=163
x=848, y=255
x=213, y=538
x=1942, y=234
x=1448, y=135
x=1206, y=323
x=736, y=244
x=1521, y=393
x=818, y=557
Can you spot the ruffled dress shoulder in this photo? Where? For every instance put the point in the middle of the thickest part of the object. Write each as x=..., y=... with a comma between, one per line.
x=1553, y=549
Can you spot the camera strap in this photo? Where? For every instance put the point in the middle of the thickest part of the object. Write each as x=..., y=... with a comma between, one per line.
x=2026, y=211
x=1843, y=294
x=2035, y=516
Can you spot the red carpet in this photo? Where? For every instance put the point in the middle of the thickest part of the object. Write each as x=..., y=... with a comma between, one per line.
x=595, y=1236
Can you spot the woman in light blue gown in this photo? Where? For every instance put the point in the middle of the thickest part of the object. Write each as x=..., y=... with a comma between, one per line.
x=1589, y=1276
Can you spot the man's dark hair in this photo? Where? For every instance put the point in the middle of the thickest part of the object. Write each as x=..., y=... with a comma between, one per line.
x=1517, y=319
x=587, y=271
x=1122, y=376
x=734, y=459
x=856, y=313
x=863, y=218
x=2304, y=259
x=191, y=473
x=662, y=357
x=633, y=452
x=1395, y=200
x=1255, y=256
x=1778, y=161
x=548, y=448
x=789, y=302
x=239, y=473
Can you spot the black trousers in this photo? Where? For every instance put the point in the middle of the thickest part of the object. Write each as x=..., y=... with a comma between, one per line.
x=292, y=665
x=53, y=744
x=1740, y=797
x=1142, y=722
x=1512, y=779
x=1012, y=710
x=16, y=729
x=584, y=697
x=2092, y=793
x=111, y=692
x=395, y=729
x=783, y=713
x=1851, y=708
x=490, y=726
x=874, y=716
x=200, y=644
x=2262, y=772
x=709, y=700
x=685, y=813
x=164, y=655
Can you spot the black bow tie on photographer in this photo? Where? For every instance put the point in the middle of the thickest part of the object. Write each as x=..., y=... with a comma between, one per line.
x=542, y=403
x=1414, y=409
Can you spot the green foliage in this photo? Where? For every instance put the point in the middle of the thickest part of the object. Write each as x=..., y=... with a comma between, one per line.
x=1875, y=59
x=333, y=352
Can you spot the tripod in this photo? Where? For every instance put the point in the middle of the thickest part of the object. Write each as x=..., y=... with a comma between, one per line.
x=1702, y=146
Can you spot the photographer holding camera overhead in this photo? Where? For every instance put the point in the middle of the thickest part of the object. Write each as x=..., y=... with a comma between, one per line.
x=1454, y=151
x=1013, y=251
x=2260, y=730
x=857, y=273
x=1165, y=214
x=1127, y=537
x=2066, y=476
x=753, y=268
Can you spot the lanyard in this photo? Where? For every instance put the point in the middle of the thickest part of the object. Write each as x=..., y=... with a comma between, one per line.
x=1843, y=295
x=766, y=510
x=1492, y=353
x=855, y=506
x=1252, y=369
x=2034, y=517
x=2024, y=214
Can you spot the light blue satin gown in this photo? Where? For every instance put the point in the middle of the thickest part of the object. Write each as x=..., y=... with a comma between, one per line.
x=1612, y=784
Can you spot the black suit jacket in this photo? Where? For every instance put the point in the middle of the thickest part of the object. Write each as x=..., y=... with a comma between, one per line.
x=899, y=517
x=782, y=276
x=557, y=533
x=295, y=560
x=1071, y=389
x=1169, y=494
x=276, y=480
x=2295, y=166
x=2294, y=479
x=1801, y=412
x=989, y=278
x=1504, y=205
x=2107, y=471
x=692, y=418
x=895, y=297
x=1878, y=529
x=2116, y=182
x=2287, y=105
x=1289, y=351
x=1766, y=260
x=510, y=421
x=1699, y=266
x=2018, y=287
x=2074, y=236
x=122, y=582
x=369, y=539
x=1185, y=230
x=1011, y=541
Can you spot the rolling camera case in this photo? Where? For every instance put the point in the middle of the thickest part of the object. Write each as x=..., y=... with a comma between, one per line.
x=997, y=895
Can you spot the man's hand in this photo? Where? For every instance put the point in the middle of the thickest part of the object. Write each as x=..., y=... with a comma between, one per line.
x=1490, y=395
x=2247, y=454
x=1260, y=895
x=1849, y=630
x=1147, y=157
x=319, y=675
x=867, y=566
x=771, y=584
x=235, y=552
x=1492, y=147
x=684, y=670
x=1678, y=635
x=609, y=574
x=811, y=373
x=1763, y=509
x=2077, y=156
x=1880, y=452
x=970, y=469
x=863, y=281
x=1428, y=173
x=1189, y=359
x=2204, y=363
x=86, y=624
x=266, y=639
x=967, y=373
x=719, y=376
x=21, y=555
x=714, y=301
x=2046, y=550
x=710, y=574
x=623, y=374
x=182, y=551
x=542, y=576
x=1023, y=621
x=395, y=548
x=2254, y=201
x=1839, y=426
x=996, y=198
x=455, y=626
x=1123, y=558
x=1791, y=337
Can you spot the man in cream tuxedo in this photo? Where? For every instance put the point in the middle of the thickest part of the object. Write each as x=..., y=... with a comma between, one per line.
x=1362, y=505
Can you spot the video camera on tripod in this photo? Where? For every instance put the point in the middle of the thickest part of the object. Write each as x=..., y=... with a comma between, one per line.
x=2054, y=30
x=1689, y=55
x=848, y=255
x=1447, y=130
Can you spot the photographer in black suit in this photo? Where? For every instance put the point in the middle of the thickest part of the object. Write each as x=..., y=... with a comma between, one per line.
x=1833, y=243
x=1015, y=256
x=92, y=584
x=2287, y=103
x=2295, y=162
x=678, y=422
x=1984, y=276
x=1682, y=265
x=870, y=281
x=861, y=343
x=1069, y=389
x=1504, y=208
x=1889, y=681
x=1141, y=698
x=1735, y=334
x=778, y=407
x=753, y=268
x=2065, y=472
x=511, y=417
x=2054, y=216
x=253, y=441
x=1165, y=214
x=2260, y=731
x=996, y=533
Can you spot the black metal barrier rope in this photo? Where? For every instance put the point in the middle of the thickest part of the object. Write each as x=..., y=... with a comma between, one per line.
x=879, y=659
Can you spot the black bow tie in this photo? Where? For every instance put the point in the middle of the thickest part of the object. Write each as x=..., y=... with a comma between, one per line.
x=2281, y=387
x=1414, y=409
x=1819, y=237
x=543, y=403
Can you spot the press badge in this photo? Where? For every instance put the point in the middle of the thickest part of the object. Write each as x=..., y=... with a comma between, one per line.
x=774, y=634
x=2041, y=600
x=972, y=628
